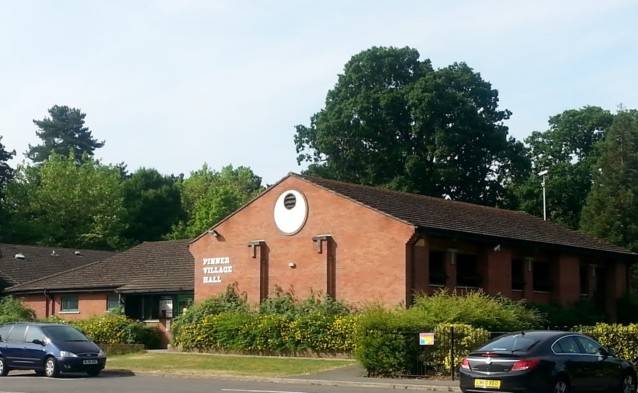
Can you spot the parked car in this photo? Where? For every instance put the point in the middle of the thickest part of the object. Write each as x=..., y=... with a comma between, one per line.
x=546, y=361
x=49, y=349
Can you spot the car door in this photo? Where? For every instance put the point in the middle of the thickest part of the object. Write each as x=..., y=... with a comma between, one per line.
x=604, y=371
x=4, y=333
x=34, y=350
x=569, y=356
x=15, y=346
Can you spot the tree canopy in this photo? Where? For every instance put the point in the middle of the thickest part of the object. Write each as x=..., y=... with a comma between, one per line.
x=153, y=205
x=568, y=151
x=611, y=210
x=63, y=133
x=6, y=172
x=208, y=196
x=392, y=120
x=61, y=203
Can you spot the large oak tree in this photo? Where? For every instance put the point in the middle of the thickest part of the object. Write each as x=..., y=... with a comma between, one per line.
x=393, y=120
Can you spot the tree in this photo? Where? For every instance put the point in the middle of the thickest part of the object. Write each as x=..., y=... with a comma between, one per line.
x=63, y=203
x=63, y=133
x=568, y=151
x=392, y=120
x=153, y=205
x=6, y=172
x=208, y=196
x=611, y=210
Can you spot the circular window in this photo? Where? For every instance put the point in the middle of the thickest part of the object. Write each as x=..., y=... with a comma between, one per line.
x=291, y=211
x=290, y=201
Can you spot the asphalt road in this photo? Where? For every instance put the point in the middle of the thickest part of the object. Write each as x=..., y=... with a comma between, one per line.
x=157, y=384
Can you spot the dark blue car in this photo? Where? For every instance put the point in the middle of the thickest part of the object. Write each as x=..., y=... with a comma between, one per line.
x=49, y=349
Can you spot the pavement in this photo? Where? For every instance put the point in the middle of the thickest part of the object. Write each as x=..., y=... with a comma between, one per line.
x=349, y=379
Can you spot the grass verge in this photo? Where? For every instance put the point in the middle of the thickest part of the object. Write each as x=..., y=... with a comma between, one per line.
x=203, y=364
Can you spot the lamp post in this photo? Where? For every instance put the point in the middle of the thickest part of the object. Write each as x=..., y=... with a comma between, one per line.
x=544, y=174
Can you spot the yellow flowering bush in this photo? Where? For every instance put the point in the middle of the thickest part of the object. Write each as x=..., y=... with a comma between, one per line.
x=623, y=339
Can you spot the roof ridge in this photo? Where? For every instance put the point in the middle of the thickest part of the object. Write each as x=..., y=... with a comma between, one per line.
x=412, y=194
x=56, y=248
x=57, y=274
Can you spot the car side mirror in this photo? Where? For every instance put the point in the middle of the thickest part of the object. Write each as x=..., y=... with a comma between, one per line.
x=604, y=352
x=38, y=342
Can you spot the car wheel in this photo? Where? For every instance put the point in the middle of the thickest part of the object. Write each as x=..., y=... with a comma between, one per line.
x=629, y=383
x=4, y=370
x=561, y=385
x=93, y=373
x=51, y=367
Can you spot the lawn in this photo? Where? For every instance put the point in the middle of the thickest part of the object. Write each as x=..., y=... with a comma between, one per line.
x=178, y=363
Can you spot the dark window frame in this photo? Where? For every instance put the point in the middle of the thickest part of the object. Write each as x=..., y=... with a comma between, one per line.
x=64, y=297
x=518, y=283
x=468, y=270
x=542, y=282
x=438, y=276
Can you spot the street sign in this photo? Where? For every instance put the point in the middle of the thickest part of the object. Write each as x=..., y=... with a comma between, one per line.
x=426, y=339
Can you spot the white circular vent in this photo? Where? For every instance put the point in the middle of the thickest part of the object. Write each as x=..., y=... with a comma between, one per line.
x=291, y=211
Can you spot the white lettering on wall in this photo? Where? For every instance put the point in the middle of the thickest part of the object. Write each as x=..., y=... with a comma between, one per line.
x=214, y=268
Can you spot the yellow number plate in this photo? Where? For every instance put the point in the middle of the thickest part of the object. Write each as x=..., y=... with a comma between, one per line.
x=487, y=383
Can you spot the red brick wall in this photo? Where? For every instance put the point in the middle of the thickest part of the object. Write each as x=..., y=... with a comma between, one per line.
x=90, y=304
x=369, y=249
x=35, y=302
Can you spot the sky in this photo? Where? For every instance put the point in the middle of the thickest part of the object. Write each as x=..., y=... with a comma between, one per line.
x=173, y=84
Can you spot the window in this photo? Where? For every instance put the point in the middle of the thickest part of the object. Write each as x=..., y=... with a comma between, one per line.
x=518, y=274
x=17, y=334
x=589, y=346
x=566, y=345
x=112, y=302
x=437, y=268
x=69, y=303
x=34, y=333
x=542, y=276
x=513, y=343
x=467, y=271
x=64, y=333
x=584, y=279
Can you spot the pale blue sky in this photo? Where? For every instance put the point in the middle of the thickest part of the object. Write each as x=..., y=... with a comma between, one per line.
x=174, y=84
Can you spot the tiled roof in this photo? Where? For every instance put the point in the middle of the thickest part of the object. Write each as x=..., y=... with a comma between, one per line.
x=162, y=265
x=41, y=261
x=440, y=214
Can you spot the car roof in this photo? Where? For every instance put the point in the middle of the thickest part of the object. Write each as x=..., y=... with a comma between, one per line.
x=33, y=324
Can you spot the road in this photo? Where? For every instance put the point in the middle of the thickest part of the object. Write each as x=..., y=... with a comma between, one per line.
x=21, y=383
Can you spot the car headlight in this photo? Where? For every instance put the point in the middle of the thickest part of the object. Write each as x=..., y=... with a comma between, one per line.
x=101, y=354
x=67, y=354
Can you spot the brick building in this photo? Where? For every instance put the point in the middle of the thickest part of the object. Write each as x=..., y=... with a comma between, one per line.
x=152, y=282
x=362, y=244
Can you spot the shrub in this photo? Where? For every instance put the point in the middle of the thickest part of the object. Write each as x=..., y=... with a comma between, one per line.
x=584, y=312
x=493, y=313
x=230, y=300
x=117, y=329
x=628, y=308
x=12, y=310
x=466, y=338
x=623, y=339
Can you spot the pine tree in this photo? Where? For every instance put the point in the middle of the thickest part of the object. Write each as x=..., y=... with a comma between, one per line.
x=6, y=172
x=611, y=209
x=63, y=133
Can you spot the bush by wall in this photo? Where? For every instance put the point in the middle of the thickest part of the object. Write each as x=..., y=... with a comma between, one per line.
x=387, y=343
x=584, y=312
x=493, y=313
x=12, y=310
x=623, y=339
x=112, y=328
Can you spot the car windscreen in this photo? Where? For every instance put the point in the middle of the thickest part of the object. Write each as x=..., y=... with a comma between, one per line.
x=513, y=343
x=63, y=333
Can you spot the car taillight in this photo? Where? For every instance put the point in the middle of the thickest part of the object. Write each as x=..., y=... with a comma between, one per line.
x=465, y=364
x=526, y=364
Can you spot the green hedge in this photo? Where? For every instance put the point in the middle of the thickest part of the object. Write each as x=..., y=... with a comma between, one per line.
x=12, y=310
x=113, y=328
x=623, y=339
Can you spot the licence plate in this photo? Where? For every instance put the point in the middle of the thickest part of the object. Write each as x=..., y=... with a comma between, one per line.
x=487, y=383
x=89, y=361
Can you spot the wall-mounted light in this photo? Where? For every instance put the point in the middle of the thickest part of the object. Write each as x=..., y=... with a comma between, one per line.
x=497, y=248
x=213, y=233
x=292, y=265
